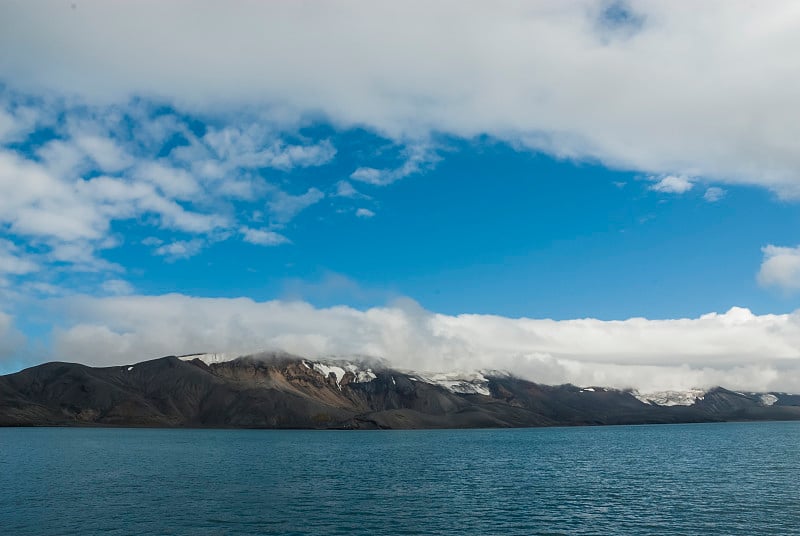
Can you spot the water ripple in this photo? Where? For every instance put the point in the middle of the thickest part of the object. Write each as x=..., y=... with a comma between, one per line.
x=669, y=480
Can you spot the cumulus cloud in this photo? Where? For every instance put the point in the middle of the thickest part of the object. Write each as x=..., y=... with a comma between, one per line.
x=737, y=348
x=544, y=76
x=672, y=184
x=780, y=268
x=364, y=213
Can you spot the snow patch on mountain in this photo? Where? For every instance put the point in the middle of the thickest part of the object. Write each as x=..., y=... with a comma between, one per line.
x=671, y=398
x=210, y=358
x=362, y=376
x=768, y=399
x=339, y=370
x=474, y=383
x=326, y=371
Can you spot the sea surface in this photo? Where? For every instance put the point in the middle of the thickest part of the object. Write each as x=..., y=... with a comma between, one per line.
x=700, y=479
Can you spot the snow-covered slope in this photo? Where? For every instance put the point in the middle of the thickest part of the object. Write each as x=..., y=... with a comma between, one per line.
x=472, y=383
x=339, y=369
x=464, y=383
x=209, y=358
x=671, y=398
x=467, y=383
x=278, y=390
x=768, y=399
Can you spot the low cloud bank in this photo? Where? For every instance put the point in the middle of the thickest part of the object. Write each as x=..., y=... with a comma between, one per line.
x=736, y=349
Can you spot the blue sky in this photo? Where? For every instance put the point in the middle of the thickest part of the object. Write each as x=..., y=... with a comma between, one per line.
x=618, y=162
x=492, y=230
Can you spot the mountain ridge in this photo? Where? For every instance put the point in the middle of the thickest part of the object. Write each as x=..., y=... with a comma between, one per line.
x=278, y=390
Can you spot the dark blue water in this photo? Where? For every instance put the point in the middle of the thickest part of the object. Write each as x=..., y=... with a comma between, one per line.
x=679, y=479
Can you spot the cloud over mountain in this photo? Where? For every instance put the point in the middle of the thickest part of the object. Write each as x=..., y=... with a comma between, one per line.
x=737, y=349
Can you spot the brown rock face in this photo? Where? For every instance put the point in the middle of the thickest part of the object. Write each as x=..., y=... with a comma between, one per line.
x=282, y=391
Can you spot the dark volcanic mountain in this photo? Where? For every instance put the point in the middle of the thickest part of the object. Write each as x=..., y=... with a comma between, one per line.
x=282, y=391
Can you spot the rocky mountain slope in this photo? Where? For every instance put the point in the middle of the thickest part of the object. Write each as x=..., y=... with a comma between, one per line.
x=283, y=391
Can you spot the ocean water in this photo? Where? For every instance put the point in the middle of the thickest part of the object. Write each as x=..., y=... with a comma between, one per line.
x=738, y=478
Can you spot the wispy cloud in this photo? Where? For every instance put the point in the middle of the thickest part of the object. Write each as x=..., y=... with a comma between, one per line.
x=714, y=194
x=257, y=147
x=284, y=206
x=418, y=158
x=181, y=249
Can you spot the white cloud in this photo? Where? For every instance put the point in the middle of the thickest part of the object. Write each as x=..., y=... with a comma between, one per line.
x=292, y=156
x=780, y=268
x=263, y=237
x=714, y=194
x=73, y=215
x=283, y=206
x=180, y=249
x=672, y=184
x=33, y=202
x=107, y=165
x=737, y=349
x=559, y=77
x=364, y=213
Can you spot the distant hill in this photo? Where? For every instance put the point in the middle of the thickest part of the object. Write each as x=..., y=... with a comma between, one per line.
x=283, y=391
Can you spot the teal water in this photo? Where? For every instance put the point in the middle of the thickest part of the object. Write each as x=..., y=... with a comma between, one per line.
x=676, y=479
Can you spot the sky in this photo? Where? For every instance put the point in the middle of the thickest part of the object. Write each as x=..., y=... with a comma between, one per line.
x=594, y=192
